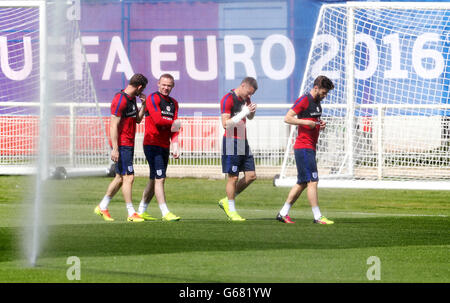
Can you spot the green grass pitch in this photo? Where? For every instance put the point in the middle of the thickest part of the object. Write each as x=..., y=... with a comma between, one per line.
x=407, y=230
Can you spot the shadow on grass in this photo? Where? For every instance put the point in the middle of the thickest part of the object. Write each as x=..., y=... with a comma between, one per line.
x=171, y=278
x=112, y=239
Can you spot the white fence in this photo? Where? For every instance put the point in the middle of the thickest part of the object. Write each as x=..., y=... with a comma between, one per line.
x=201, y=139
x=201, y=143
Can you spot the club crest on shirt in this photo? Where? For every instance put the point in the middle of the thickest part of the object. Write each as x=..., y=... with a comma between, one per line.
x=168, y=108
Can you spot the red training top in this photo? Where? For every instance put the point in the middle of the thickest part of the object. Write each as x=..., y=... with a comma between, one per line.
x=232, y=104
x=306, y=107
x=124, y=106
x=160, y=113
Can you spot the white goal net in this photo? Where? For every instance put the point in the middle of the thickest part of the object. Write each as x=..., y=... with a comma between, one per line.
x=388, y=116
x=47, y=98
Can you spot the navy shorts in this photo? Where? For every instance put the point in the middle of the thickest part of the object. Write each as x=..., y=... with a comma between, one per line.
x=305, y=158
x=158, y=159
x=124, y=165
x=236, y=156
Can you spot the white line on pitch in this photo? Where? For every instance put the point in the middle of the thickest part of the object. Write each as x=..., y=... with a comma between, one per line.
x=367, y=214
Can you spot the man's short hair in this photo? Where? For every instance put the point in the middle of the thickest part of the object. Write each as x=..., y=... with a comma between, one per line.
x=137, y=80
x=323, y=82
x=167, y=76
x=250, y=81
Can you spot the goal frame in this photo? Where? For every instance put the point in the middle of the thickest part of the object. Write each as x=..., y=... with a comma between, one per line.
x=41, y=5
x=282, y=180
x=43, y=167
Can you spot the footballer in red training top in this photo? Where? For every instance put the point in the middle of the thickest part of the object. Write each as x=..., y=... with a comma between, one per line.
x=161, y=112
x=161, y=129
x=125, y=107
x=124, y=116
x=305, y=114
x=235, y=108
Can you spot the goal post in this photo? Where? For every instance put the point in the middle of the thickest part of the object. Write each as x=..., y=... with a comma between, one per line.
x=388, y=116
x=49, y=112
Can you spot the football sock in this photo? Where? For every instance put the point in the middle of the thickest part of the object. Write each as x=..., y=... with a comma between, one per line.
x=231, y=206
x=285, y=209
x=316, y=212
x=130, y=209
x=164, y=209
x=142, y=207
x=104, y=203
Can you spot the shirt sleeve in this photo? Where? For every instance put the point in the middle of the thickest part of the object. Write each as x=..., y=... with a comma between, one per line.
x=154, y=111
x=118, y=104
x=300, y=104
x=226, y=104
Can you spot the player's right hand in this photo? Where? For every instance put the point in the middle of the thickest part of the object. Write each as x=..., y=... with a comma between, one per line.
x=115, y=155
x=143, y=97
x=175, y=151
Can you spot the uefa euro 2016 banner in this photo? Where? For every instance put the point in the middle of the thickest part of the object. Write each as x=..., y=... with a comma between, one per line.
x=209, y=46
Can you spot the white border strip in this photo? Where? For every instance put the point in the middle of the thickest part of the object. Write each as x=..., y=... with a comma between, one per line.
x=397, y=5
x=409, y=185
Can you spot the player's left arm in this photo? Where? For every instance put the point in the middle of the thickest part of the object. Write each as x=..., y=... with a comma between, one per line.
x=176, y=125
x=175, y=146
x=174, y=135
